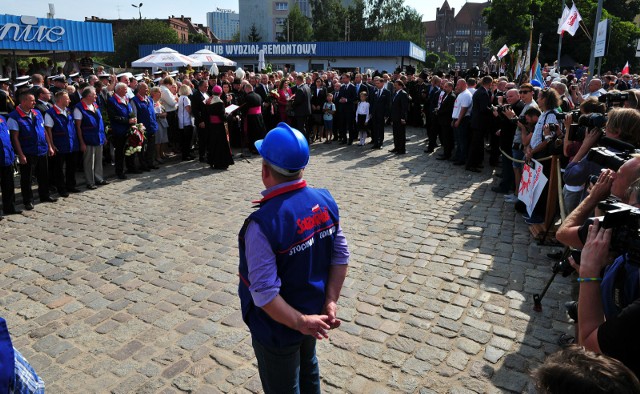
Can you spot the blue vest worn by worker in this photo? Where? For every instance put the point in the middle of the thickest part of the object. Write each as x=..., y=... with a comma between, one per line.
x=120, y=109
x=146, y=114
x=92, y=125
x=63, y=132
x=31, y=132
x=300, y=224
x=7, y=156
x=619, y=287
x=7, y=361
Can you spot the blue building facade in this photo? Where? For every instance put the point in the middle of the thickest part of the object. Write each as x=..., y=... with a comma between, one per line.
x=305, y=56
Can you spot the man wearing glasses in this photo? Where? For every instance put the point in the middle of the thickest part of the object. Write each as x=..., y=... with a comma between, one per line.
x=526, y=95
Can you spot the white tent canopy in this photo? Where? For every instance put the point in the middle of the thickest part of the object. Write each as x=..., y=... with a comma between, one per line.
x=166, y=58
x=209, y=58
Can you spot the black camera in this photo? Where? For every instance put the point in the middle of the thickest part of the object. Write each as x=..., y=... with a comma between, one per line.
x=563, y=267
x=577, y=133
x=521, y=119
x=613, y=98
x=606, y=158
x=575, y=114
x=593, y=120
x=624, y=220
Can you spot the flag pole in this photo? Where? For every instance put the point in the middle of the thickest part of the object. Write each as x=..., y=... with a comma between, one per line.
x=560, y=41
x=592, y=57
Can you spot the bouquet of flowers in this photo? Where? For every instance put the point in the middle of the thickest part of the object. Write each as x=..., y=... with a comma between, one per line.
x=135, y=138
x=274, y=94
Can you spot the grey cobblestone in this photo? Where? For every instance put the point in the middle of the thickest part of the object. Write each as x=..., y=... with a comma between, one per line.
x=119, y=296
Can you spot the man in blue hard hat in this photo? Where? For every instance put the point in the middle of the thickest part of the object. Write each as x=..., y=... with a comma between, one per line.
x=293, y=262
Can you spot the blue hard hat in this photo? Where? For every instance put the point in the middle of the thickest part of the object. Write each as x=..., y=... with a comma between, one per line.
x=536, y=83
x=284, y=147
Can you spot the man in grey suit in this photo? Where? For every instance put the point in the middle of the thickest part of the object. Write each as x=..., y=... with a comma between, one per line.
x=302, y=105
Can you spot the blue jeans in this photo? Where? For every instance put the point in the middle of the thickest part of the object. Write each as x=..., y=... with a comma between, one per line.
x=292, y=369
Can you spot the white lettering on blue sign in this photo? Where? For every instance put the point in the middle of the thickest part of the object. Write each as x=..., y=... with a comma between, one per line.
x=30, y=32
x=269, y=49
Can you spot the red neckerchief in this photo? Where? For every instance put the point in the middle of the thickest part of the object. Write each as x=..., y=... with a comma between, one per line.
x=117, y=98
x=286, y=189
x=143, y=99
x=55, y=108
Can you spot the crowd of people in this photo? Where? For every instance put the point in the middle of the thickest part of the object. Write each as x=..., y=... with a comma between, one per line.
x=51, y=126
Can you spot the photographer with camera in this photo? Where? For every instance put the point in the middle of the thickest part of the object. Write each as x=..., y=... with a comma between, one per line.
x=616, y=335
x=505, y=115
x=594, y=90
x=621, y=124
x=544, y=142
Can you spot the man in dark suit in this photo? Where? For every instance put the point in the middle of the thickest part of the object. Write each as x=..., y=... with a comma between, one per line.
x=481, y=116
x=433, y=93
x=302, y=105
x=380, y=101
x=444, y=109
x=198, y=99
x=347, y=98
x=399, y=113
x=43, y=100
x=263, y=89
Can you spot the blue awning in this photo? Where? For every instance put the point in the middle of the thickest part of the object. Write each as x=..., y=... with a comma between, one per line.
x=28, y=33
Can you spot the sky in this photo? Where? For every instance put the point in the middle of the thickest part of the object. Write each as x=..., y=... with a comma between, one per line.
x=196, y=9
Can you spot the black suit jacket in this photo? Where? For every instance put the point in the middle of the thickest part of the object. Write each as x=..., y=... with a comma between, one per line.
x=380, y=105
x=197, y=107
x=432, y=99
x=302, y=101
x=399, y=106
x=480, y=109
x=446, y=109
x=348, y=92
x=260, y=90
x=318, y=99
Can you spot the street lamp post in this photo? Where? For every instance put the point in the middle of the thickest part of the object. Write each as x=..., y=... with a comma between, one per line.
x=139, y=9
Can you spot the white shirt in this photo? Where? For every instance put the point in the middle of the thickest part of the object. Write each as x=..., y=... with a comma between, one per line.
x=184, y=117
x=167, y=99
x=363, y=109
x=77, y=114
x=463, y=100
x=48, y=120
x=546, y=117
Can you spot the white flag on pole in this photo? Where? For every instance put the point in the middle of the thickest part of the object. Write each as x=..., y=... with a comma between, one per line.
x=565, y=14
x=503, y=51
x=493, y=59
x=572, y=23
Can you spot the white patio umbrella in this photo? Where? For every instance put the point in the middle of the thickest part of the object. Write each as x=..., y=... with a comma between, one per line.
x=166, y=58
x=209, y=58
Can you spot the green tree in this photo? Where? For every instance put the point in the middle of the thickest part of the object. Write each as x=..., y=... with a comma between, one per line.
x=431, y=60
x=254, y=35
x=445, y=61
x=297, y=26
x=509, y=23
x=236, y=36
x=126, y=41
x=391, y=20
x=358, y=28
x=198, y=38
x=328, y=20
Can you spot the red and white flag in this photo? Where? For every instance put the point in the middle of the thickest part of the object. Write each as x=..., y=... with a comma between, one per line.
x=503, y=51
x=572, y=23
x=565, y=14
x=625, y=70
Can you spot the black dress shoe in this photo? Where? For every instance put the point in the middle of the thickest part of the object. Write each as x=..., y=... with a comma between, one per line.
x=145, y=169
x=74, y=190
x=122, y=176
x=92, y=187
x=136, y=171
x=350, y=143
x=473, y=169
x=401, y=152
x=394, y=150
x=63, y=194
x=49, y=199
x=102, y=182
x=154, y=167
x=428, y=150
x=12, y=212
x=28, y=206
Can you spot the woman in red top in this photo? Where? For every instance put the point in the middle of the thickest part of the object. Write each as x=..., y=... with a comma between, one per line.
x=284, y=97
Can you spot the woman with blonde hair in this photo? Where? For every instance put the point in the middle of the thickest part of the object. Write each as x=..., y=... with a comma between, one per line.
x=185, y=122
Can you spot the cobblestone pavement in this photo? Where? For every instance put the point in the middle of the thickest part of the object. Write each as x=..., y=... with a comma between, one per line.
x=131, y=288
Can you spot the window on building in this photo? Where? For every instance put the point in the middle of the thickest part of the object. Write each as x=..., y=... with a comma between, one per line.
x=485, y=52
x=465, y=48
x=280, y=21
x=282, y=6
x=476, y=49
x=457, y=49
x=463, y=65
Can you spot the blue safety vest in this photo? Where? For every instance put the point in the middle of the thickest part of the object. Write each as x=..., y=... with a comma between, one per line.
x=120, y=109
x=146, y=114
x=7, y=358
x=92, y=125
x=63, y=132
x=7, y=156
x=300, y=224
x=31, y=132
x=619, y=287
